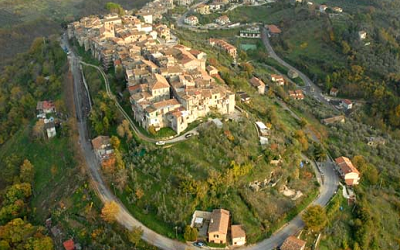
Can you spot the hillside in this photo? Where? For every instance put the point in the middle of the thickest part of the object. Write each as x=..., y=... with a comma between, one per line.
x=22, y=21
x=327, y=46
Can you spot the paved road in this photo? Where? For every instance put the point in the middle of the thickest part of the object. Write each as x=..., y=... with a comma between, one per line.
x=316, y=93
x=124, y=217
x=81, y=98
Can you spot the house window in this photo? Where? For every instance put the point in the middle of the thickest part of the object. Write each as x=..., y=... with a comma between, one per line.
x=216, y=236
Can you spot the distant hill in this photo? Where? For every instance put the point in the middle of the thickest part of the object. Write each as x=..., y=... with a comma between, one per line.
x=22, y=21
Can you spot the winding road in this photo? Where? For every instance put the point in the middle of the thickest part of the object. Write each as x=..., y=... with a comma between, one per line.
x=81, y=97
x=311, y=88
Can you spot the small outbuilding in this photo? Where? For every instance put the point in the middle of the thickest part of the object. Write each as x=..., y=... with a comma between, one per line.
x=238, y=235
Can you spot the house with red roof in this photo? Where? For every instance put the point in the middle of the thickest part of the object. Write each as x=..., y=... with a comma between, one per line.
x=347, y=104
x=45, y=107
x=218, y=227
x=348, y=172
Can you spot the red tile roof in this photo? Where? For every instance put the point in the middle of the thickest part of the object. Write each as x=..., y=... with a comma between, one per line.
x=346, y=165
x=219, y=221
x=256, y=82
x=347, y=101
x=292, y=243
x=274, y=29
x=237, y=231
x=69, y=244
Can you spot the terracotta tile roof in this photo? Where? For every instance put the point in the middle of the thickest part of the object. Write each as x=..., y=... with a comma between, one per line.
x=346, y=165
x=69, y=244
x=292, y=243
x=161, y=82
x=100, y=141
x=219, y=221
x=274, y=29
x=256, y=82
x=237, y=231
x=169, y=102
x=277, y=77
x=347, y=101
x=45, y=105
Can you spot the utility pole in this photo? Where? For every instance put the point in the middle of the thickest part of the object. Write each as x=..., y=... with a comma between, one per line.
x=176, y=232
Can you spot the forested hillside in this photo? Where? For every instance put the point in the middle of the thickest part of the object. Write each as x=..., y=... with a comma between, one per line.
x=327, y=46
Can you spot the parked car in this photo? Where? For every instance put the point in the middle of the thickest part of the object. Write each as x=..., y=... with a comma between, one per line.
x=188, y=135
x=160, y=143
x=198, y=244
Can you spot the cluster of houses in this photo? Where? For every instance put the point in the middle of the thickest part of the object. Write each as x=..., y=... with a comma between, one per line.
x=216, y=5
x=215, y=227
x=223, y=45
x=43, y=109
x=193, y=20
x=169, y=86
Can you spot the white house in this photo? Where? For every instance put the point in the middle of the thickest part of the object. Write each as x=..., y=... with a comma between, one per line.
x=264, y=130
x=222, y=20
x=148, y=18
x=191, y=20
x=322, y=8
x=362, y=35
x=347, y=104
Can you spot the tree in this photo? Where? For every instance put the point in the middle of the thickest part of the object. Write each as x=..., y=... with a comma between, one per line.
x=319, y=152
x=345, y=47
x=303, y=122
x=110, y=211
x=27, y=172
x=315, y=218
x=121, y=179
x=115, y=8
x=301, y=137
x=38, y=129
x=139, y=193
x=115, y=142
x=19, y=234
x=135, y=235
x=121, y=131
x=190, y=233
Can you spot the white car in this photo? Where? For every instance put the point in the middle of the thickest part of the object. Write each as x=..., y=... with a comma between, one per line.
x=160, y=143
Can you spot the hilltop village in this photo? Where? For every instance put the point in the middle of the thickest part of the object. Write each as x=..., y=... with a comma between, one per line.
x=169, y=85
